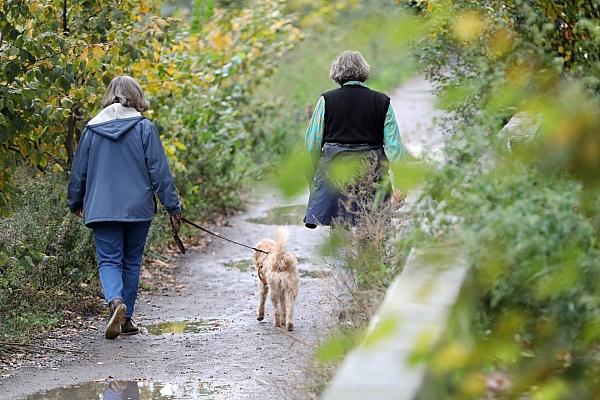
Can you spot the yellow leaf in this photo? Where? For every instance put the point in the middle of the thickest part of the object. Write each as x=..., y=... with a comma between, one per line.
x=474, y=384
x=97, y=52
x=170, y=150
x=500, y=42
x=35, y=6
x=145, y=7
x=221, y=41
x=452, y=356
x=171, y=69
x=468, y=26
x=180, y=146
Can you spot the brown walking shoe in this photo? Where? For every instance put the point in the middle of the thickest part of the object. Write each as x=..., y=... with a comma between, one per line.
x=117, y=314
x=129, y=328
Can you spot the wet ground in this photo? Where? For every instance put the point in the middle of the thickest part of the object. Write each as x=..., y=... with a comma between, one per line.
x=135, y=390
x=206, y=342
x=414, y=106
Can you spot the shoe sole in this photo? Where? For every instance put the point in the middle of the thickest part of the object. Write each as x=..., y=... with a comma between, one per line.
x=129, y=333
x=113, y=328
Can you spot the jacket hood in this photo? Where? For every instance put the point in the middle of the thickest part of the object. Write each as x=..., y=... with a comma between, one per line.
x=114, y=121
x=115, y=129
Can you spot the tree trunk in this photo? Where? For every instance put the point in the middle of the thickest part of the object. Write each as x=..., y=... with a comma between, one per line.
x=65, y=18
x=72, y=136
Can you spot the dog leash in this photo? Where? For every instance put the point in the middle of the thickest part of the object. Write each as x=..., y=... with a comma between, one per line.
x=187, y=221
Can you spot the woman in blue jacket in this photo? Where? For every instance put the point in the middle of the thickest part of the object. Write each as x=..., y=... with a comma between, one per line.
x=119, y=166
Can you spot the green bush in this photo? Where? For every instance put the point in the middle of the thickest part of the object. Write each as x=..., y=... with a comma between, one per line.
x=531, y=300
x=45, y=256
x=529, y=310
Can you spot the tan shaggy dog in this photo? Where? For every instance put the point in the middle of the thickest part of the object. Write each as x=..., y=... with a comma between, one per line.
x=277, y=273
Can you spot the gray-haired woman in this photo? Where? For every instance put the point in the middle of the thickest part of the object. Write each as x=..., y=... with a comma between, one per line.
x=119, y=166
x=352, y=120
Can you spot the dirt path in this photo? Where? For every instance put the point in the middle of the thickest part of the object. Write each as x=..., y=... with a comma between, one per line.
x=217, y=348
x=222, y=351
x=414, y=106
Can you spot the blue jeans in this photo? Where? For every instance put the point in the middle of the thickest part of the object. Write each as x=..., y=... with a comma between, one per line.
x=119, y=249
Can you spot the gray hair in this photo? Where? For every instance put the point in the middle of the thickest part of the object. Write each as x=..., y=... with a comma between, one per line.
x=127, y=91
x=349, y=66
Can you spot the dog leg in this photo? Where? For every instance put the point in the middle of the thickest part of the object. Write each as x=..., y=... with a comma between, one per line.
x=282, y=309
x=263, y=290
x=275, y=301
x=290, y=298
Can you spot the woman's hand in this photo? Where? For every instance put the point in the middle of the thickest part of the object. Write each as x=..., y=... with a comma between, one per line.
x=176, y=222
x=79, y=213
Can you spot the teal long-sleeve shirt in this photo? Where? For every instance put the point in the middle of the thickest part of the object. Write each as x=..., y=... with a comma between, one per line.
x=392, y=143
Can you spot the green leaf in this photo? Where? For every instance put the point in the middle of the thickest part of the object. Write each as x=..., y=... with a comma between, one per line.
x=383, y=330
x=337, y=346
x=407, y=174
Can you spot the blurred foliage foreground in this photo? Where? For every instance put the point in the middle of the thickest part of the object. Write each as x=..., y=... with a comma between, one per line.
x=527, y=324
x=56, y=58
x=528, y=321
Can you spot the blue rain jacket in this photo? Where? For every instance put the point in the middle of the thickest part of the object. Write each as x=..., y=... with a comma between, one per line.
x=118, y=167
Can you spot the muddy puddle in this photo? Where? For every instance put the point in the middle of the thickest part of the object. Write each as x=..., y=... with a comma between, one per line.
x=185, y=326
x=244, y=265
x=288, y=215
x=135, y=390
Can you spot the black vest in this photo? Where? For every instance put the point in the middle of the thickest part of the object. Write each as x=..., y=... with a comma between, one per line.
x=355, y=114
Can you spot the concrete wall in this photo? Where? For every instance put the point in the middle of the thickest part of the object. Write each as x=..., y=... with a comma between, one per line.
x=415, y=308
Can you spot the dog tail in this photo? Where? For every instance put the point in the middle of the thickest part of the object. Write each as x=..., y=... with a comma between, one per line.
x=281, y=239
